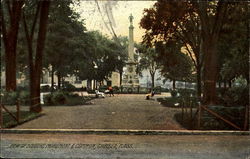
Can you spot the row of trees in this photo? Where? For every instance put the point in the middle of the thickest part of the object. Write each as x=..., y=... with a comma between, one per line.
x=73, y=51
x=47, y=34
x=12, y=12
x=202, y=28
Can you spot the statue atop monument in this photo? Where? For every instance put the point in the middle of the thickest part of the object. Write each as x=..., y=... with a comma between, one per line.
x=131, y=19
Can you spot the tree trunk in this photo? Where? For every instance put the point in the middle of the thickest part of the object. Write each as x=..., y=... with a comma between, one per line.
x=10, y=41
x=210, y=69
x=42, y=78
x=225, y=84
x=173, y=84
x=96, y=84
x=32, y=83
x=198, y=78
x=59, y=80
x=93, y=84
x=120, y=78
x=210, y=29
x=35, y=94
x=36, y=107
x=153, y=80
x=52, y=79
x=29, y=38
x=63, y=82
x=219, y=84
x=10, y=58
x=229, y=83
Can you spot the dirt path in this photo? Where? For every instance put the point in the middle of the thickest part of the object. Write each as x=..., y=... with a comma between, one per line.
x=119, y=112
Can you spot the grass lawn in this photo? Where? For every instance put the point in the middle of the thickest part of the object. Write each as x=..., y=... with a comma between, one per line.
x=175, y=102
x=9, y=121
x=169, y=101
x=67, y=100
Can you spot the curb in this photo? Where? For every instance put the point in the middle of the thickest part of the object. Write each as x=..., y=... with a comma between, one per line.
x=120, y=132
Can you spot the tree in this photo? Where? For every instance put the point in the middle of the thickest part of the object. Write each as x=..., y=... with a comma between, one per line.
x=147, y=61
x=122, y=42
x=35, y=60
x=234, y=43
x=106, y=54
x=169, y=20
x=10, y=29
x=212, y=18
x=175, y=64
x=66, y=41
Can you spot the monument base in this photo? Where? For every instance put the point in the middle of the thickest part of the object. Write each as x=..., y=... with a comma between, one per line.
x=130, y=89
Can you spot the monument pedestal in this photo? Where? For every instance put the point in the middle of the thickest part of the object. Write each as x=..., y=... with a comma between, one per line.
x=130, y=77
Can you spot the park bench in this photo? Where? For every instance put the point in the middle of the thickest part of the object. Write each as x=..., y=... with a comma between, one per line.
x=99, y=94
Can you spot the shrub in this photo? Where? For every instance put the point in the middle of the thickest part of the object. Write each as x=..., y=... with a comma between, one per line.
x=65, y=98
x=48, y=99
x=103, y=88
x=221, y=91
x=56, y=98
x=186, y=92
x=116, y=89
x=173, y=93
x=165, y=90
x=169, y=101
x=24, y=97
x=59, y=97
x=71, y=95
x=9, y=97
x=22, y=88
x=157, y=89
x=45, y=88
x=69, y=87
x=236, y=96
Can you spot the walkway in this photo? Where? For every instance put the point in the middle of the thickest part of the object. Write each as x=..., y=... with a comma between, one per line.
x=119, y=112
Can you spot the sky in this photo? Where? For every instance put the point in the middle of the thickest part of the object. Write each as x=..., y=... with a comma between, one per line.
x=99, y=14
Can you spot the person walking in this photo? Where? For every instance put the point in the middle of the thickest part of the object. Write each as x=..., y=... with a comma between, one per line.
x=111, y=91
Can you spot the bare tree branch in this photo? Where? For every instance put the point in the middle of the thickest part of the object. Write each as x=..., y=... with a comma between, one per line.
x=191, y=56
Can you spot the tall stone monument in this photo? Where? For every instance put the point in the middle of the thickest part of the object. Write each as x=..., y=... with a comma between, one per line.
x=130, y=78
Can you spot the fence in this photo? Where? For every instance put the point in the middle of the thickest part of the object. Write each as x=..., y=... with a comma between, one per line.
x=198, y=116
x=242, y=117
x=138, y=90
x=188, y=113
x=14, y=115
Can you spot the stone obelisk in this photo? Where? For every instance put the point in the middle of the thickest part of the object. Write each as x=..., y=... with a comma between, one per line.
x=130, y=78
